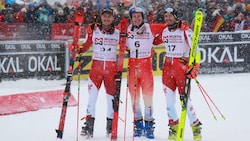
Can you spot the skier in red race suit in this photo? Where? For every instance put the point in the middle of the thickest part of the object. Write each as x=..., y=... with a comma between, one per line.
x=177, y=39
x=104, y=39
x=140, y=40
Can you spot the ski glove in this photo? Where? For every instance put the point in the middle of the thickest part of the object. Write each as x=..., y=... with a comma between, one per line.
x=73, y=47
x=193, y=71
x=183, y=25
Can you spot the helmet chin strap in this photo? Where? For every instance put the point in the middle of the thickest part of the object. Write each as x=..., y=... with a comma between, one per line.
x=173, y=26
x=108, y=29
x=138, y=27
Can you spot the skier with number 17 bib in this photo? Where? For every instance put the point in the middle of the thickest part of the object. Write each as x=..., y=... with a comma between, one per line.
x=177, y=40
x=104, y=39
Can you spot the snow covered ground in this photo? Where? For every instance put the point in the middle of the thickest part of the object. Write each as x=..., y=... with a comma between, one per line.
x=230, y=92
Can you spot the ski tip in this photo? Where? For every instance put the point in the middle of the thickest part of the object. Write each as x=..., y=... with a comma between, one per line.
x=215, y=118
x=200, y=9
x=59, y=134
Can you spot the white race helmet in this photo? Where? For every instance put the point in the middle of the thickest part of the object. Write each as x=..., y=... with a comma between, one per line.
x=136, y=9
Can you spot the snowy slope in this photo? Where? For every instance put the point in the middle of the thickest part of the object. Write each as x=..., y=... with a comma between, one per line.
x=228, y=91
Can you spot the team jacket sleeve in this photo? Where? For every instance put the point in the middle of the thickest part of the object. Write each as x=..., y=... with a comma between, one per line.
x=86, y=45
x=157, y=32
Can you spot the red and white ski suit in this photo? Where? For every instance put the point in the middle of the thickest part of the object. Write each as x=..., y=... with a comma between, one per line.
x=177, y=44
x=103, y=67
x=140, y=74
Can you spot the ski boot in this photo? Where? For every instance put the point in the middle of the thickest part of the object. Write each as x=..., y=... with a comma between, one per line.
x=173, y=129
x=138, y=128
x=109, y=127
x=88, y=129
x=149, y=129
x=173, y=132
x=196, y=128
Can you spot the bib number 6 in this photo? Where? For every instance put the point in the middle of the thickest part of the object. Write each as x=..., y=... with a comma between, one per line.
x=137, y=44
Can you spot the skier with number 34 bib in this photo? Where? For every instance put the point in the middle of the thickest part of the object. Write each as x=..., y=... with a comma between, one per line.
x=104, y=39
x=177, y=40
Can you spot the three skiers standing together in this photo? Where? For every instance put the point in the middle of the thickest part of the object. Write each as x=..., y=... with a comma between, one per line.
x=104, y=39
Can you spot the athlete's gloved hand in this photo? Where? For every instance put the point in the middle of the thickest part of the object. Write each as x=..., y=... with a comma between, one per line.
x=183, y=25
x=75, y=48
x=193, y=71
x=91, y=28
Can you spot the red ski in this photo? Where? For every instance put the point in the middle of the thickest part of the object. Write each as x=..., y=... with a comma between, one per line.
x=79, y=15
x=118, y=77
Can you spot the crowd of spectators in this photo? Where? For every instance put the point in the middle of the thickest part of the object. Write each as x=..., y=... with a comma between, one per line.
x=34, y=13
x=220, y=15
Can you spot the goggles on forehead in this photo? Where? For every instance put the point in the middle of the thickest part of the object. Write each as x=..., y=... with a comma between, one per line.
x=169, y=10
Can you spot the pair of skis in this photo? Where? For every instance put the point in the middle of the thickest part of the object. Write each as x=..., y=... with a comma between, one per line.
x=73, y=51
x=118, y=78
x=192, y=61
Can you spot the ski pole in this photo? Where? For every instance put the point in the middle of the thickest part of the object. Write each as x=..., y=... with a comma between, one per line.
x=204, y=93
x=135, y=89
x=126, y=109
x=126, y=103
x=78, y=95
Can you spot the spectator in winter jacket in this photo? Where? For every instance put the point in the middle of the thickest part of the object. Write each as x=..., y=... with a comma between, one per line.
x=1, y=16
x=240, y=23
x=229, y=17
x=43, y=17
x=8, y=14
x=60, y=16
x=31, y=16
x=20, y=16
x=70, y=18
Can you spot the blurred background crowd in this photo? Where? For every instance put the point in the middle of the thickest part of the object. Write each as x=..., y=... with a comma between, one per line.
x=220, y=15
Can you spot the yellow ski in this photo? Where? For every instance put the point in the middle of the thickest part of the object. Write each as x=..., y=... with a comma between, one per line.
x=192, y=59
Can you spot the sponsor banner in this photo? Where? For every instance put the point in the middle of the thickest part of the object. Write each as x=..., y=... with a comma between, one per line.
x=32, y=59
x=64, y=32
x=225, y=57
x=216, y=37
x=225, y=52
x=23, y=31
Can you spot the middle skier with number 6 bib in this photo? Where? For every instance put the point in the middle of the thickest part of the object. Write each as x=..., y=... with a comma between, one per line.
x=140, y=40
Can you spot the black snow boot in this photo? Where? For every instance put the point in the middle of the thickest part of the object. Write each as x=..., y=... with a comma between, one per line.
x=88, y=129
x=109, y=126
